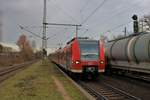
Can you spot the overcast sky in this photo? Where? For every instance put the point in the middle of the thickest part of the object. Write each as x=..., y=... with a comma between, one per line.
x=105, y=20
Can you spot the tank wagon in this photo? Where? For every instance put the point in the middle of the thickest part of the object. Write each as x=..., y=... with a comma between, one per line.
x=81, y=56
x=130, y=53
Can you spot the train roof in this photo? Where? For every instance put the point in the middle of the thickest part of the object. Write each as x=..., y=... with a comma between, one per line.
x=79, y=38
x=13, y=46
x=131, y=35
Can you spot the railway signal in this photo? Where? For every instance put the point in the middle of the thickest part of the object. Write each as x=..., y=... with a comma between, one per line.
x=135, y=25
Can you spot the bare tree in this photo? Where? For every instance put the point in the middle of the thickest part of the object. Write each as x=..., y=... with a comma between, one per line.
x=26, y=49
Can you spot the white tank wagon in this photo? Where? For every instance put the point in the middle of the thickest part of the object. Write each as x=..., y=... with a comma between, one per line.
x=130, y=53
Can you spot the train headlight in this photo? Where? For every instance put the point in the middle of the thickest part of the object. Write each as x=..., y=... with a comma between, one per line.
x=77, y=62
x=101, y=62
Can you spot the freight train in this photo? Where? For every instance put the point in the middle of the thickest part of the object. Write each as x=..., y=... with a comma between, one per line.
x=129, y=54
x=81, y=56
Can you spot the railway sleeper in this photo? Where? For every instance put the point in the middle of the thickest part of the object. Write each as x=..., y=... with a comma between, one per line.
x=117, y=98
x=107, y=93
x=111, y=95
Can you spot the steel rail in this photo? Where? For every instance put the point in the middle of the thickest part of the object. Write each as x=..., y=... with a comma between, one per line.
x=7, y=72
x=104, y=91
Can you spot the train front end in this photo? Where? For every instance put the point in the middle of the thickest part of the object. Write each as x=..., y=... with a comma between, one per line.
x=89, y=58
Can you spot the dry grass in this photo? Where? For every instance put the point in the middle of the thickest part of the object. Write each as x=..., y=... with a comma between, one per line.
x=36, y=83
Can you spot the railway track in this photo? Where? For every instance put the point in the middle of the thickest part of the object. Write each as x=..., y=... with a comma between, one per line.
x=7, y=72
x=73, y=81
x=136, y=87
x=144, y=78
x=100, y=90
x=92, y=92
x=104, y=91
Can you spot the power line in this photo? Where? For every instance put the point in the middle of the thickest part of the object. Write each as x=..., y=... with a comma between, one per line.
x=94, y=11
x=62, y=42
x=33, y=26
x=65, y=30
x=42, y=27
x=65, y=12
x=121, y=25
x=116, y=27
x=84, y=30
x=21, y=27
x=118, y=13
x=66, y=38
x=70, y=25
x=84, y=6
x=25, y=29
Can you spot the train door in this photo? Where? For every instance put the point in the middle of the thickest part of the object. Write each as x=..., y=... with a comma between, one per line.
x=68, y=57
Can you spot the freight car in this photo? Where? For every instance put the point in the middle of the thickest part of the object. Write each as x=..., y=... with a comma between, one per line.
x=129, y=54
x=81, y=56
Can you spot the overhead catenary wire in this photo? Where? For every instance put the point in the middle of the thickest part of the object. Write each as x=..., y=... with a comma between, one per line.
x=88, y=18
x=65, y=30
x=25, y=29
x=116, y=27
x=58, y=7
x=118, y=13
x=64, y=11
x=68, y=37
x=75, y=25
x=84, y=32
x=42, y=27
x=21, y=27
x=121, y=25
x=84, y=6
x=94, y=11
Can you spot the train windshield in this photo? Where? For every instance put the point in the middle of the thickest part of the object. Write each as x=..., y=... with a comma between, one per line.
x=89, y=50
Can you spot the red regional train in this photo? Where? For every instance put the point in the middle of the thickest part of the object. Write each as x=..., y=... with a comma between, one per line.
x=82, y=56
